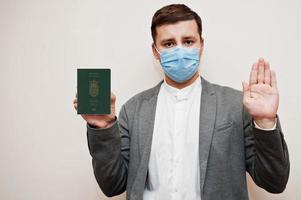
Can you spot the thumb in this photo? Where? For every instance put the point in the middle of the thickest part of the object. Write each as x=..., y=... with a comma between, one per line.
x=245, y=86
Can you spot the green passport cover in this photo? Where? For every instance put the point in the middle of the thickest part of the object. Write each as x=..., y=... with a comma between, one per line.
x=93, y=91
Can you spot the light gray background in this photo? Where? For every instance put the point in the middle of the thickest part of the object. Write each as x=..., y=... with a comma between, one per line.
x=43, y=147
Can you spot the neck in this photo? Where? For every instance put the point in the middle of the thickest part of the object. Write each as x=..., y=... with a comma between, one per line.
x=181, y=85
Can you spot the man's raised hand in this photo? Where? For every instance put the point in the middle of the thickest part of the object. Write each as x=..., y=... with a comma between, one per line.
x=260, y=95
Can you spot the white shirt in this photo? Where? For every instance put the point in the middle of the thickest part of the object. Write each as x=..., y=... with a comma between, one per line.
x=173, y=170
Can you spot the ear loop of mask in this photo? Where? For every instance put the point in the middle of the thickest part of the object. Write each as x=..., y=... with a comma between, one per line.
x=157, y=49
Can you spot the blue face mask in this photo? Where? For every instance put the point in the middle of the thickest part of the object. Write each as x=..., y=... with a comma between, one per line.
x=180, y=63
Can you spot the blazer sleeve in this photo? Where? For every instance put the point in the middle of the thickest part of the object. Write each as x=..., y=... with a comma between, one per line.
x=266, y=154
x=110, y=149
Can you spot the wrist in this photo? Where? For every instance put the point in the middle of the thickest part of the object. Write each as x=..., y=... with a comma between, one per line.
x=109, y=122
x=104, y=123
x=265, y=123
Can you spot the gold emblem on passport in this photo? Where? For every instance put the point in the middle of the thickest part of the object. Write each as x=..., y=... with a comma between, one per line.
x=93, y=88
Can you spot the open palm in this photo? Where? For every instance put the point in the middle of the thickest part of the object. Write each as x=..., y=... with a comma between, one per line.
x=260, y=95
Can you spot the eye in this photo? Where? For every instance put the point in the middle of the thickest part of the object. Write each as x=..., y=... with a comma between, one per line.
x=168, y=44
x=188, y=42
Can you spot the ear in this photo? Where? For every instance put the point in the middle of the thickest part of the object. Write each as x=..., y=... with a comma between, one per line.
x=155, y=52
x=201, y=47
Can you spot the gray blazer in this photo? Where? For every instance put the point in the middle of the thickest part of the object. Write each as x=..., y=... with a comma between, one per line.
x=229, y=146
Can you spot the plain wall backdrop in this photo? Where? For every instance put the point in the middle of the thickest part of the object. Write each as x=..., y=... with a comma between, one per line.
x=43, y=144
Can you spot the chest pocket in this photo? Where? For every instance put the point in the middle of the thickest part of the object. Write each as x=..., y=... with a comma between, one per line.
x=220, y=147
x=223, y=126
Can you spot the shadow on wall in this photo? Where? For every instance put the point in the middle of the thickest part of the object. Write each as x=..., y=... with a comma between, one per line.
x=257, y=193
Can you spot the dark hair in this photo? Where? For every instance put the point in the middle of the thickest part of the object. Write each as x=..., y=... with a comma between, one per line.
x=172, y=14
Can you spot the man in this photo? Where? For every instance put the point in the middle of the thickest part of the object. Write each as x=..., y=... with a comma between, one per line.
x=186, y=138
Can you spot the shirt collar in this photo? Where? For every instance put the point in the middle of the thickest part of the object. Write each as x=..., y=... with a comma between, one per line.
x=181, y=94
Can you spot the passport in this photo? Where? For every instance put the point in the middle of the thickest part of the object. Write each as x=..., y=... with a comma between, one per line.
x=93, y=91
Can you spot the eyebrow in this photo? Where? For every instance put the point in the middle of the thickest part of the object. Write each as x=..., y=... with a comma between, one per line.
x=172, y=39
x=189, y=37
x=167, y=40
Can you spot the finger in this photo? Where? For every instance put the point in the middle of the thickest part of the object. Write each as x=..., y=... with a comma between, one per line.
x=75, y=106
x=246, y=93
x=113, y=97
x=267, y=74
x=273, y=79
x=253, y=74
x=260, y=76
x=246, y=89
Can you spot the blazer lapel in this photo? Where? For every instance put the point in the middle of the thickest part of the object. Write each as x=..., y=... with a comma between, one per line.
x=146, y=126
x=206, y=126
x=147, y=120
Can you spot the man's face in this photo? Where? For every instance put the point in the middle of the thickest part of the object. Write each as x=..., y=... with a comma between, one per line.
x=183, y=33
